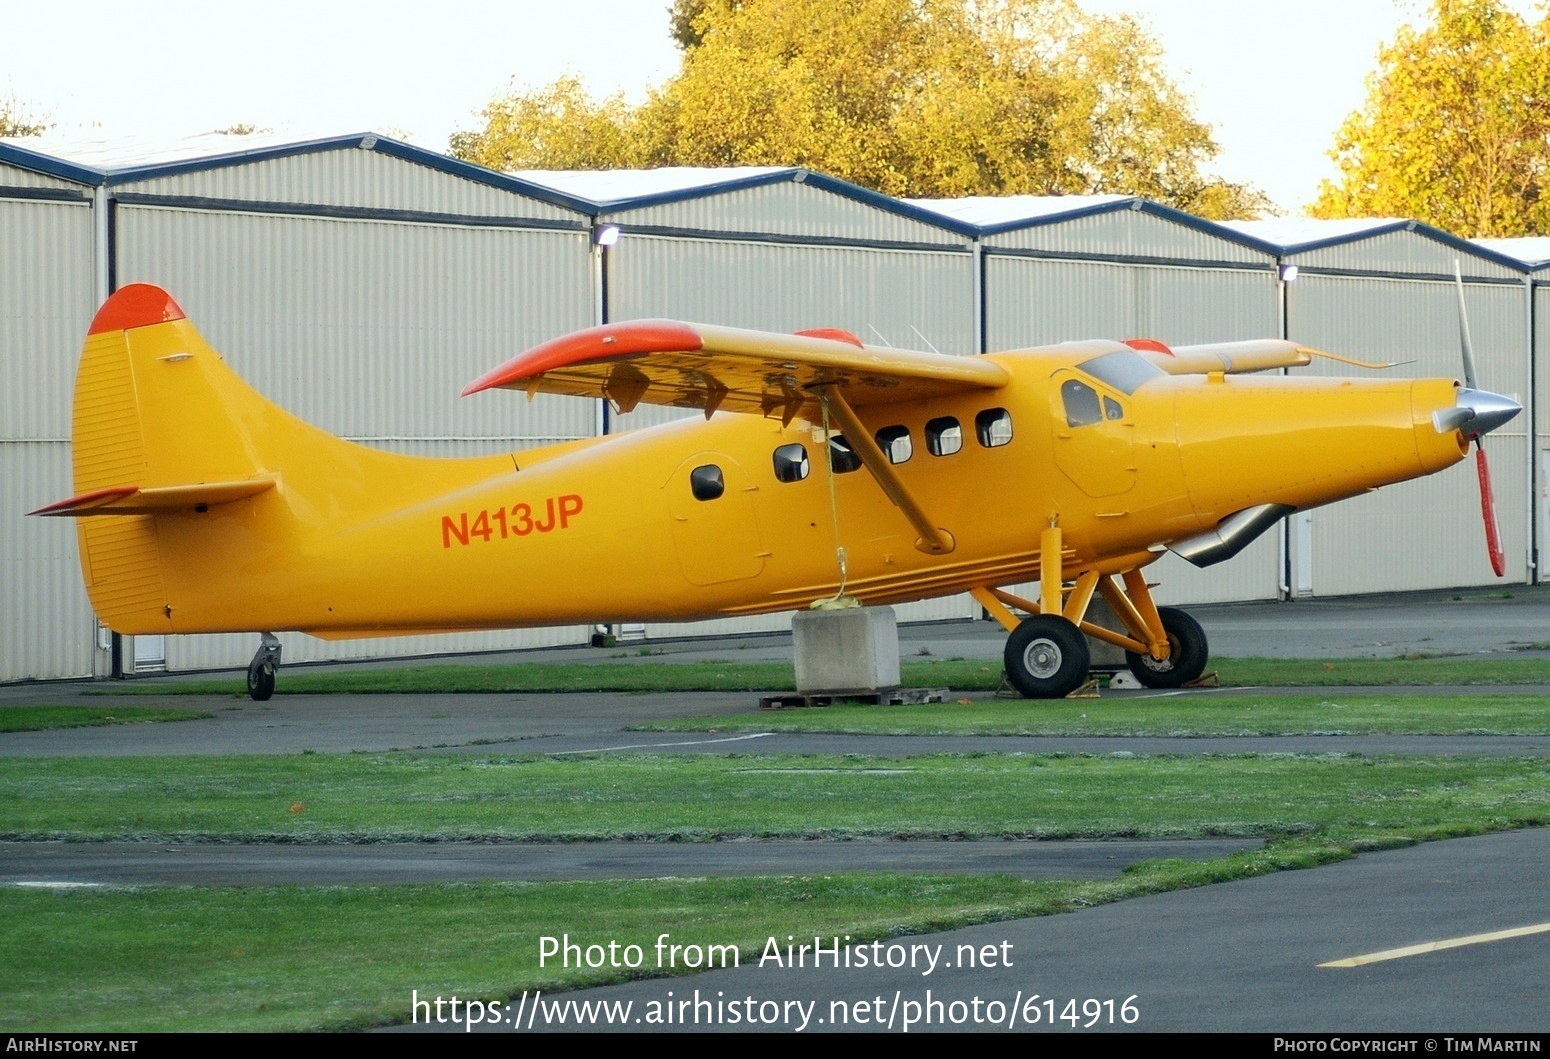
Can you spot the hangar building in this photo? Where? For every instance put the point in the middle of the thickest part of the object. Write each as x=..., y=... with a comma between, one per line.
x=360, y=282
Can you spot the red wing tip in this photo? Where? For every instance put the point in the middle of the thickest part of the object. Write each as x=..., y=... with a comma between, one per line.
x=1148, y=345
x=610, y=342
x=137, y=305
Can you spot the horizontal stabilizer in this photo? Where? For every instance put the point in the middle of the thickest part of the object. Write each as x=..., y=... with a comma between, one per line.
x=132, y=500
x=665, y=362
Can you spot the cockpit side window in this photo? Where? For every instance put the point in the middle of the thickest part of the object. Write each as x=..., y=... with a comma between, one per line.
x=1081, y=402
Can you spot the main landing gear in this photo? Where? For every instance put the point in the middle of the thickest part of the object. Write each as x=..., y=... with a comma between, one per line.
x=1047, y=654
x=1187, y=653
x=262, y=669
x=1047, y=657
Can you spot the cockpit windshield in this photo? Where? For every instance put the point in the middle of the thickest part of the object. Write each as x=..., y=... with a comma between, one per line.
x=1124, y=370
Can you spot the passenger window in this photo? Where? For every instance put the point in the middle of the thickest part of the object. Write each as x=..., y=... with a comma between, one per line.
x=943, y=436
x=706, y=483
x=896, y=444
x=993, y=427
x=842, y=458
x=790, y=463
x=1081, y=402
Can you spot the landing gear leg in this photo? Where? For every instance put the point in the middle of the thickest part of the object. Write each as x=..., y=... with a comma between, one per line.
x=1165, y=647
x=262, y=669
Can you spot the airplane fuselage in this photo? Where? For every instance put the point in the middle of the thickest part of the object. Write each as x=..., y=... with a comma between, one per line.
x=612, y=529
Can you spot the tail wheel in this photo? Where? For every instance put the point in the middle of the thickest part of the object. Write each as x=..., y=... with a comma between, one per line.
x=1186, y=656
x=1047, y=657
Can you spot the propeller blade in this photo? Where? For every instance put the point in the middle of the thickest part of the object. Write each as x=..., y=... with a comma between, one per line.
x=1465, y=347
x=1493, y=533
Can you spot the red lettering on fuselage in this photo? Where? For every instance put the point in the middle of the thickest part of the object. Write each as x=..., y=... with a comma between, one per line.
x=518, y=520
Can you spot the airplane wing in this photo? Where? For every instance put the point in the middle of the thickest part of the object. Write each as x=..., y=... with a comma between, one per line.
x=703, y=366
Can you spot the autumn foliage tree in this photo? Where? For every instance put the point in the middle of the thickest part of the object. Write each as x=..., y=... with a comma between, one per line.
x=924, y=98
x=16, y=119
x=1454, y=130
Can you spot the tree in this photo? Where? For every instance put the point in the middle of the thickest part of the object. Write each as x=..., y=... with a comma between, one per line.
x=927, y=98
x=1454, y=130
x=16, y=119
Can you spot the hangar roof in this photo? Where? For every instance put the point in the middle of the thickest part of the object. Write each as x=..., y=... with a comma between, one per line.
x=122, y=160
x=1532, y=250
x=628, y=190
x=988, y=211
x=1389, y=244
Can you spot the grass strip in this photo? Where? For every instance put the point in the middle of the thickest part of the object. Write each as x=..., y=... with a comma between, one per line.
x=395, y=798
x=43, y=718
x=647, y=676
x=333, y=958
x=1225, y=714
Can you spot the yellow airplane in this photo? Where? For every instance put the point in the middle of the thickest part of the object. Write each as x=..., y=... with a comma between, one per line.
x=823, y=470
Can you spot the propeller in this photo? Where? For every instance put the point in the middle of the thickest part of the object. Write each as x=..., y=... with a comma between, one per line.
x=1477, y=413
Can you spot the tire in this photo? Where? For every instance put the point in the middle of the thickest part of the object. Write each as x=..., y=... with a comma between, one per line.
x=1047, y=657
x=1186, y=659
x=260, y=681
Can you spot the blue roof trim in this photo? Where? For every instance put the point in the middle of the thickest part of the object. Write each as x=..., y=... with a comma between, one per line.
x=480, y=175
x=794, y=175
x=1426, y=231
x=1136, y=204
x=362, y=141
x=50, y=166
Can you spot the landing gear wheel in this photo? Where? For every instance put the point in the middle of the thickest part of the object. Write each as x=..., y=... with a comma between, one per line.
x=1047, y=657
x=260, y=681
x=1186, y=658
x=261, y=671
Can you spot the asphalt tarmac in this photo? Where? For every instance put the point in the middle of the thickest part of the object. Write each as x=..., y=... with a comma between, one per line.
x=1240, y=956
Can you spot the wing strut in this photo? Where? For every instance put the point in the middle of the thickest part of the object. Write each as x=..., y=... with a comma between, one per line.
x=933, y=540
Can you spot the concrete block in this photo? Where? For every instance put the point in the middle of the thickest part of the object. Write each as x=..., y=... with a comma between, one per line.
x=855, y=650
x=1105, y=655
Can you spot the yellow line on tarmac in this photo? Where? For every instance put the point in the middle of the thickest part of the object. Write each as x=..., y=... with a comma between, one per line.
x=1437, y=946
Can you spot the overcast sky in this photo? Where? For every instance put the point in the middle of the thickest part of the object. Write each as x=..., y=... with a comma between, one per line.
x=1275, y=80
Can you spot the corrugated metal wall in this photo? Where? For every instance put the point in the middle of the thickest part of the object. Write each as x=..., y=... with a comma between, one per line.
x=788, y=208
x=46, y=302
x=377, y=355
x=1135, y=232
x=1425, y=533
x=357, y=179
x=465, y=274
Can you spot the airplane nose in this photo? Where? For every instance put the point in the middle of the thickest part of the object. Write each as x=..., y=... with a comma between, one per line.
x=1476, y=412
